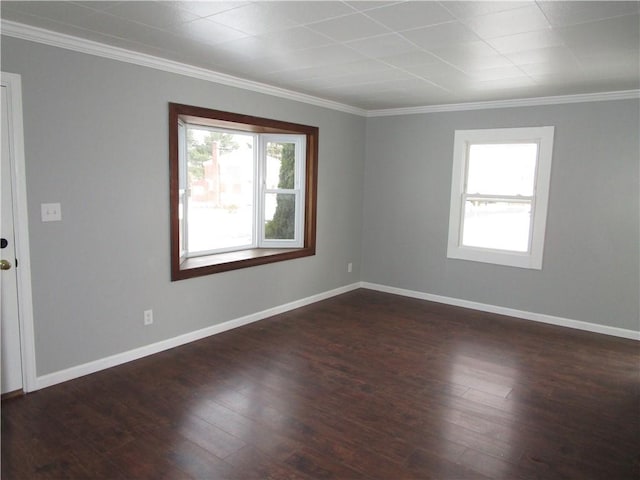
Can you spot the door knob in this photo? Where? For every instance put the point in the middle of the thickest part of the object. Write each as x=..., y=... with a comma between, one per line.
x=5, y=265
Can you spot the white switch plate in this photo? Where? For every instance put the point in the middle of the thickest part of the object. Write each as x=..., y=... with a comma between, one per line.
x=51, y=212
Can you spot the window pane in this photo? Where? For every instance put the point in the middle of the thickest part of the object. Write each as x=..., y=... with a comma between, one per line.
x=221, y=198
x=502, y=169
x=280, y=216
x=281, y=162
x=497, y=225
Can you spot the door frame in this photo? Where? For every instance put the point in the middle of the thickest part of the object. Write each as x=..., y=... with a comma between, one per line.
x=13, y=83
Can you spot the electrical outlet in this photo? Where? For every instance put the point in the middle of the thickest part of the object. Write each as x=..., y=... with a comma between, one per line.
x=349, y=267
x=148, y=317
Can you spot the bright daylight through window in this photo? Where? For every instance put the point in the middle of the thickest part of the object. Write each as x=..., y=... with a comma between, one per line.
x=499, y=195
x=243, y=190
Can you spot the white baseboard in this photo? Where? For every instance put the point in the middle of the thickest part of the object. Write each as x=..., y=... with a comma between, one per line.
x=128, y=356
x=124, y=357
x=536, y=317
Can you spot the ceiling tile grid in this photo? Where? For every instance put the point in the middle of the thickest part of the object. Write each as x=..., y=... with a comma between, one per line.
x=374, y=54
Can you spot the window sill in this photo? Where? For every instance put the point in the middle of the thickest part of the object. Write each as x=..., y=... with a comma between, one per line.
x=224, y=262
x=532, y=260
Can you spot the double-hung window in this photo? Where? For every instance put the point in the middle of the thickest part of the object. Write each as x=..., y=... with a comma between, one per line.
x=499, y=195
x=243, y=190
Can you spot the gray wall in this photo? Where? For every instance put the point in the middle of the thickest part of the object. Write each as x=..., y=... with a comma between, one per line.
x=591, y=256
x=96, y=141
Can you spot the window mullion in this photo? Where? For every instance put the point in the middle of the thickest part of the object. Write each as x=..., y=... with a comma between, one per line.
x=505, y=198
x=260, y=162
x=183, y=190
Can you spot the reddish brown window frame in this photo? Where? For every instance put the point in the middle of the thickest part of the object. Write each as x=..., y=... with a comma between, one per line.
x=223, y=262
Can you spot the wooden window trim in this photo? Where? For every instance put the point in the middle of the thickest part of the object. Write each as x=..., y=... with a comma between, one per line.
x=223, y=262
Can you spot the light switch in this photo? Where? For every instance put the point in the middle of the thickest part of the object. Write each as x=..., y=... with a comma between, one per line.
x=51, y=212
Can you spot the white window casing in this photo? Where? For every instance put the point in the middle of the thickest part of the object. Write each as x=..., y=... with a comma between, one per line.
x=297, y=191
x=260, y=158
x=530, y=256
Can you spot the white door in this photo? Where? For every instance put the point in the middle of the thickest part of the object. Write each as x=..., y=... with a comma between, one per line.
x=9, y=316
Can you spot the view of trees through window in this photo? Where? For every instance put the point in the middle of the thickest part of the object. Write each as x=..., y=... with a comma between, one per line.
x=282, y=224
x=280, y=208
x=200, y=144
x=242, y=190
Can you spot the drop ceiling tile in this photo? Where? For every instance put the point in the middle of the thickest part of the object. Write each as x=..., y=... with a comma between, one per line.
x=350, y=27
x=407, y=59
x=206, y=9
x=453, y=82
x=139, y=47
x=526, y=41
x=496, y=74
x=462, y=53
x=326, y=56
x=111, y=25
x=414, y=86
x=364, y=79
x=95, y=5
x=303, y=12
x=48, y=24
x=436, y=71
x=480, y=64
x=614, y=34
x=369, y=66
x=164, y=40
x=369, y=89
x=64, y=12
x=520, y=53
x=206, y=31
x=613, y=70
x=580, y=84
x=439, y=36
x=509, y=87
x=383, y=45
x=549, y=55
x=293, y=39
x=363, y=6
x=548, y=70
x=409, y=15
x=356, y=82
x=611, y=60
x=254, y=18
x=576, y=12
x=468, y=9
x=155, y=14
x=509, y=22
x=246, y=48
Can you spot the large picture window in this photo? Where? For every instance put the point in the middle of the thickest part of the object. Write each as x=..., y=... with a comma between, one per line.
x=242, y=190
x=499, y=195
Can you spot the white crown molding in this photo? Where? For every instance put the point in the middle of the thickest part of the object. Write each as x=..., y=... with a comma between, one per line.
x=519, y=102
x=68, y=42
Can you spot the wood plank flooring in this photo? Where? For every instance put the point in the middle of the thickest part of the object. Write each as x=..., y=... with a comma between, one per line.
x=363, y=385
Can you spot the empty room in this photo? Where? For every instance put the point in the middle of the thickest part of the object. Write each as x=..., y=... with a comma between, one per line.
x=320, y=240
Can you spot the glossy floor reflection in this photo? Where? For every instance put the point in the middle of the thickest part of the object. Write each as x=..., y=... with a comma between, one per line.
x=364, y=385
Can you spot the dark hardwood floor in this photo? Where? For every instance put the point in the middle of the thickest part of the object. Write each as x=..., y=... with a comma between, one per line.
x=363, y=385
